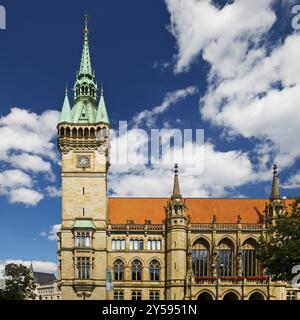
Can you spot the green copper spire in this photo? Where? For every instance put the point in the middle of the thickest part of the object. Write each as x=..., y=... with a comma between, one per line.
x=85, y=84
x=65, y=115
x=86, y=65
x=85, y=88
x=102, y=115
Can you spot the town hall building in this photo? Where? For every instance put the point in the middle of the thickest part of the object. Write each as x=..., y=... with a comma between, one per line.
x=172, y=248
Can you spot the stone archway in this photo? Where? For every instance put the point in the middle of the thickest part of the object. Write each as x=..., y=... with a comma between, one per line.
x=256, y=296
x=205, y=296
x=230, y=296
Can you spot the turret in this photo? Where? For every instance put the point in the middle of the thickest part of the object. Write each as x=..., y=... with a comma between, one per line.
x=276, y=204
x=176, y=225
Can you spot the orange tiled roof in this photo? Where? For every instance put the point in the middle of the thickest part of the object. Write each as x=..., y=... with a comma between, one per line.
x=201, y=210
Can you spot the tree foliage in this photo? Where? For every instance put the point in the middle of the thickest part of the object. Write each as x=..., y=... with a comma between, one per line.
x=279, y=252
x=19, y=282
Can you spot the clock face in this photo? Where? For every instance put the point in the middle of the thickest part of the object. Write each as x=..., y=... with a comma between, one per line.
x=84, y=161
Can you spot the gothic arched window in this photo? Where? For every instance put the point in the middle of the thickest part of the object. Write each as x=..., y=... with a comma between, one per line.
x=119, y=270
x=154, y=270
x=200, y=256
x=136, y=270
x=250, y=262
x=225, y=256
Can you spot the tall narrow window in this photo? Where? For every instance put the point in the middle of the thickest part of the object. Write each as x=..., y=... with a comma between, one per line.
x=83, y=190
x=119, y=270
x=250, y=262
x=154, y=270
x=158, y=245
x=135, y=244
x=225, y=255
x=118, y=244
x=83, y=239
x=136, y=270
x=200, y=257
x=154, y=245
x=83, y=268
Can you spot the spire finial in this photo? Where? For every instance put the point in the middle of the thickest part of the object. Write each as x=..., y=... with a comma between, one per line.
x=101, y=89
x=176, y=167
x=176, y=189
x=275, y=188
x=66, y=89
x=86, y=23
x=275, y=170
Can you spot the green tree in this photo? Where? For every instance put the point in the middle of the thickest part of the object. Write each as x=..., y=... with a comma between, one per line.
x=281, y=252
x=20, y=284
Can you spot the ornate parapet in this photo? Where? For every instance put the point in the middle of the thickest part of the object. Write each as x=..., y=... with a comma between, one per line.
x=226, y=227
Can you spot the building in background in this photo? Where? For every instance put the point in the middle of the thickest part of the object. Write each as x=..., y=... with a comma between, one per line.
x=150, y=248
x=46, y=286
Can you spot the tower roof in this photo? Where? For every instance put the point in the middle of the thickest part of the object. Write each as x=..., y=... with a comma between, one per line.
x=275, y=187
x=65, y=115
x=86, y=65
x=176, y=190
x=102, y=115
x=85, y=87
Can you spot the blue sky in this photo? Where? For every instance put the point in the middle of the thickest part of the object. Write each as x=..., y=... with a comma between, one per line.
x=229, y=67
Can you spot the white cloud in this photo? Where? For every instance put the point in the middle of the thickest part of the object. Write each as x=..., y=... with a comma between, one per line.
x=199, y=25
x=293, y=182
x=17, y=185
x=53, y=192
x=26, y=196
x=28, y=162
x=38, y=266
x=13, y=179
x=26, y=145
x=22, y=130
x=148, y=117
x=216, y=174
x=253, y=90
x=43, y=234
x=212, y=175
x=52, y=236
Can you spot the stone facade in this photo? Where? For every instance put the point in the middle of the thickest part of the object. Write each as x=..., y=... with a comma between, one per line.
x=48, y=292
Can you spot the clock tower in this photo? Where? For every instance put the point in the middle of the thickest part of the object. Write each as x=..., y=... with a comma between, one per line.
x=83, y=141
